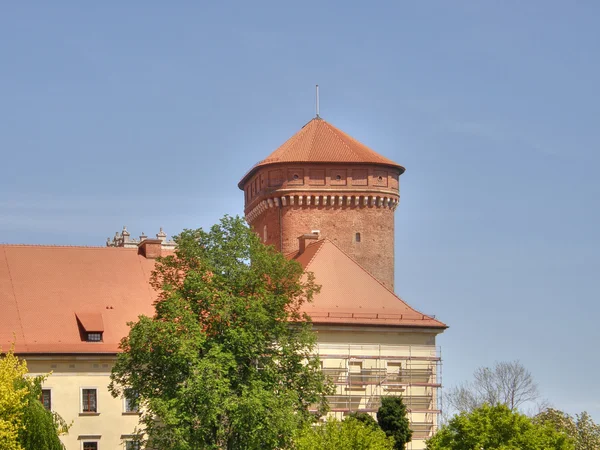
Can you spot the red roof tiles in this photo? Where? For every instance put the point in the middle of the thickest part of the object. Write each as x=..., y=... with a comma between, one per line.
x=351, y=295
x=320, y=142
x=44, y=289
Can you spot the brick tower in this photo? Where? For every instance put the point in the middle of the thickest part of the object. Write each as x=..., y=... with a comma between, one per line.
x=323, y=181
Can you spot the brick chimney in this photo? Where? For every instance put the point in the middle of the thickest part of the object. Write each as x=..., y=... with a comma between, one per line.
x=304, y=237
x=150, y=248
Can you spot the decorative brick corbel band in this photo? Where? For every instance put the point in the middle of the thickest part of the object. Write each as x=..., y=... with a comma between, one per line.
x=333, y=201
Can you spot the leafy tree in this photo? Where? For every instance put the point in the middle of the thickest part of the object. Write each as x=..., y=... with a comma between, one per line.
x=41, y=428
x=365, y=418
x=506, y=383
x=12, y=400
x=227, y=360
x=351, y=434
x=582, y=428
x=393, y=420
x=24, y=422
x=497, y=427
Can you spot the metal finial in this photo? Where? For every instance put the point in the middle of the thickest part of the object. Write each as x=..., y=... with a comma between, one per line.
x=318, y=101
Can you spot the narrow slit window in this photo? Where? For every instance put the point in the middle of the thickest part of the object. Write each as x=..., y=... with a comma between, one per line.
x=357, y=237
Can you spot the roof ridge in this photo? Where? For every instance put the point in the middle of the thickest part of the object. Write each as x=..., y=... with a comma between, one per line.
x=373, y=277
x=89, y=247
x=333, y=130
x=14, y=295
x=320, y=242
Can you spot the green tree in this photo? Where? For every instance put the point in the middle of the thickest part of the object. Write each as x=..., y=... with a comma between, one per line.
x=365, y=418
x=582, y=429
x=24, y=422
x=227, y=361
x=497, y=427
x=350, y=434
x=41, y=428
x=392, y=418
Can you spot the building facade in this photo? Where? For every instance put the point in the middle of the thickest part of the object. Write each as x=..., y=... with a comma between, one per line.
x=323, y=199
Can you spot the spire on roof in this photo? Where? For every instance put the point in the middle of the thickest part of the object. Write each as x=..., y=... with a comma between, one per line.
x=317, y=98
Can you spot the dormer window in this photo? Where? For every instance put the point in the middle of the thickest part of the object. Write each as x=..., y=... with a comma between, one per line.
x=91, y=326
x=94, y=337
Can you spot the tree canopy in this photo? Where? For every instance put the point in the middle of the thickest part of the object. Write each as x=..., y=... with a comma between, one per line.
x=582, y=429
x=227, y=361
x=24, y=422
x=393, y=420
x=350, y=434
x=497, y=427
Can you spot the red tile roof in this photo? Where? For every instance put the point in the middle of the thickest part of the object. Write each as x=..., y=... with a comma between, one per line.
x=320, y=142
x=44, y=289
x=351, y=295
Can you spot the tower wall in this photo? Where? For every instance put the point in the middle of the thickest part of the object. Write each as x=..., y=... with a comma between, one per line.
x=352, y=205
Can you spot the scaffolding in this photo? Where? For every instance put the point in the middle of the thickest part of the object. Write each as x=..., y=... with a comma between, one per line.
x=362, y=374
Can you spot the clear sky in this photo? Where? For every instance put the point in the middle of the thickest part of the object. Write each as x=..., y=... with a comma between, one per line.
x=148, y=114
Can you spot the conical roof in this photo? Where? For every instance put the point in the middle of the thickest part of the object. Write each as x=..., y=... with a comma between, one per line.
x=320, y=142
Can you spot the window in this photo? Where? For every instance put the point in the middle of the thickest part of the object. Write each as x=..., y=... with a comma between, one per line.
x=90, y=446
x=132, y=445
x=131, y=402
x=357, y=237
x=94, y=337
x=46, y=399
x=89, y=401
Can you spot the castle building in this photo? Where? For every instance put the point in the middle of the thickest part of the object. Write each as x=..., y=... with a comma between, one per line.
x=323, y=199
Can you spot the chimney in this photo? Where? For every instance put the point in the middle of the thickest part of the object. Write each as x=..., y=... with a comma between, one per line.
x=304, y=237
x=150, y=248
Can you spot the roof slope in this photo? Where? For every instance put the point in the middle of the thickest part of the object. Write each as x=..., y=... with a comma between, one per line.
x=48, y=294
x=320, y=142
x=44, y=289
x=351, y=295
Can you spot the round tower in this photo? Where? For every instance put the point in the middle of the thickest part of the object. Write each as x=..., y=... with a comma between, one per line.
x=323, y=181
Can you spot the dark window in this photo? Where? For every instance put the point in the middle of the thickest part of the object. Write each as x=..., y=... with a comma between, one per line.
x=338, y=177
x=47, y=399
x=94, y=337
x=132, y=401
x=132, y=445
x=357, y=237
x=90, y=446
x=88, y=401
x=295, y=176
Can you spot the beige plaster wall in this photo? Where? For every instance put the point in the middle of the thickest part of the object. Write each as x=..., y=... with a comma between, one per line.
x=69, y=375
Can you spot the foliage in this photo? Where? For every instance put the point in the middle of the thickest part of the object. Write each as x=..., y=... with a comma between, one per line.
x=582, y=428
x=12, y=400
x=24, y=422
x=393, y=420
x=351, y=434
x=41, y=427
x=227, y=360
x=506, y=383
x=365, y=418
x=497, y=427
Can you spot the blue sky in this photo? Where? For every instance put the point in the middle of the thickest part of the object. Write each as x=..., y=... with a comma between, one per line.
x=148, y=114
